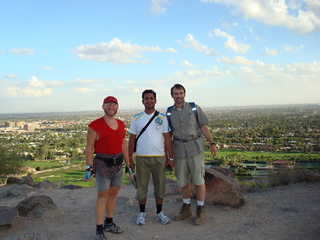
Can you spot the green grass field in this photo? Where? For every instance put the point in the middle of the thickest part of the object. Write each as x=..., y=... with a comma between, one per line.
x=276, y=155
x=75, y=176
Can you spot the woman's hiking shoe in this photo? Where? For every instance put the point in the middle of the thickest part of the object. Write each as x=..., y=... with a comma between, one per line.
x=184, y=213
x=112, y=227
x=141, y=219
x=200, y=216
x=100, y=236
x=162, y=218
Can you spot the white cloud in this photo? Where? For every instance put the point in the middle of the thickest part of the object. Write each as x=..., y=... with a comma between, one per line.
x=300, y=18
x=22, y=51
x=80, y=80
x=185, y=63
x=191, y=42
x=47, y=68
x=270, y=52
x=83, y=90
x=194, y=77
x=35, y=82
x=115, y=51
x=54, y=83
x=236, y=60
x=171, y=50
x=27, y=92
x=156, y=6
x=10, y=76
x=255, y=72
x=314, y=6
x=288, y=48
x=31, y=92
x=231, y=43
x=32, y=88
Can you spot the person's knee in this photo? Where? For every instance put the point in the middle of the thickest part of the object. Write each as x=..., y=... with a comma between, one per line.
x=102, y=198
x=113, y=192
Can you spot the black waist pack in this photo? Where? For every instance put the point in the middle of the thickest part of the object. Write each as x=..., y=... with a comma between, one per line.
x=111, y=161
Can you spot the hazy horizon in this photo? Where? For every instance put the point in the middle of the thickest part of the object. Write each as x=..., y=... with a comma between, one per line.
x=164, y=108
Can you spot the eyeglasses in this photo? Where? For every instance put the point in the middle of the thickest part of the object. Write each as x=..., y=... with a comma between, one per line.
x=110, y=104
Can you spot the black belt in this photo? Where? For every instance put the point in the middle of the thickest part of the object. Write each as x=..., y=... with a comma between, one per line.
x=184, y=140
x=111, y=161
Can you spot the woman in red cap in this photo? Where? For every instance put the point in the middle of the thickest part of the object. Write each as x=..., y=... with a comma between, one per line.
x=106, y=138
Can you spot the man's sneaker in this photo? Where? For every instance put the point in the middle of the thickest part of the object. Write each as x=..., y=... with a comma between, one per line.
x=162, y=218
x=112, y=227
x=100, y=236
x=141, y=219
x=200, y=216
x=184, y=213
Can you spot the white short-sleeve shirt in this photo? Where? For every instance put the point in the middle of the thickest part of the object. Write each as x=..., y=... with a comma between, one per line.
x=151, y=142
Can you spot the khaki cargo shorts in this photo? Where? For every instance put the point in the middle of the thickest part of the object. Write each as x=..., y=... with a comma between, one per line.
x=190, y=168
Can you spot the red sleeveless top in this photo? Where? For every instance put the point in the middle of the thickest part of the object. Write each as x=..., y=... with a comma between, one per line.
x=110, y=141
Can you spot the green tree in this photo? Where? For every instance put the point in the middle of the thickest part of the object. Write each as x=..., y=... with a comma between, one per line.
x=9, y=162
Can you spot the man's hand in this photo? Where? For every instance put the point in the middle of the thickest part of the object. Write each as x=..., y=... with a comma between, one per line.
x=213, y=150
x=170, y=165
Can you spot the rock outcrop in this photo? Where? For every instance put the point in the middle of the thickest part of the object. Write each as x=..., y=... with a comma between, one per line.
x=38, y=207
x=7, y=216
x=222, y=188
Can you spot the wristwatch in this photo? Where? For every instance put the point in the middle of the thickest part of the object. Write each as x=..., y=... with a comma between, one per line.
x=88, y=167
x=171, y=159
x=213, y=143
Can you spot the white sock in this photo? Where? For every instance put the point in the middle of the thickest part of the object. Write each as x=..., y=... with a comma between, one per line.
x=200, y=203
x=186, y=201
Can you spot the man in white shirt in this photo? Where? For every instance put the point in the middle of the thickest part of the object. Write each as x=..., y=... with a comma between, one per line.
x=153, y=154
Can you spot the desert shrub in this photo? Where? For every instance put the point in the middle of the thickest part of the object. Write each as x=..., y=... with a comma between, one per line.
x=39, y=168
x=252, y=184
x=286, y=175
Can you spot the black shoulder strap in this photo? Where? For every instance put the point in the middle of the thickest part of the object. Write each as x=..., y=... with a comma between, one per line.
x=145, y=127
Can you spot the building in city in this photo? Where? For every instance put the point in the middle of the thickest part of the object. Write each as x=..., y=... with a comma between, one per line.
x=29, y=127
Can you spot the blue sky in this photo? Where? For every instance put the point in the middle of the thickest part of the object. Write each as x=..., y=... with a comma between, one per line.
x=69, y=55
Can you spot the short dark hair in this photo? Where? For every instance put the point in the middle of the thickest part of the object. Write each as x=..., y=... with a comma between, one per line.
x=177, y=86
x=149, y=91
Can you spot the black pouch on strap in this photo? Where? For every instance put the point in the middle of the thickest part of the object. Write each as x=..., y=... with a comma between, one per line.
x=111, y=161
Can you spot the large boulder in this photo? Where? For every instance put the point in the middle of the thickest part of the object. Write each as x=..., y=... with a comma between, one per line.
x=222, y=188
x=38, y=207
x=46, y=185
x=20, y=190
x=13, y=180
x=7, y=216
x=28, y=180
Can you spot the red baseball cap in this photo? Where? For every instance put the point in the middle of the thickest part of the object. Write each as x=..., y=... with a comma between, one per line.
x=110, y=99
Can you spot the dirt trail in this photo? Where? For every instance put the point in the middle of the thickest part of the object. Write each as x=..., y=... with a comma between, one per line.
x=285, y=212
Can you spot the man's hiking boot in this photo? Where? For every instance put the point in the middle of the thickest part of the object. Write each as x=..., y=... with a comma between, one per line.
x=112, y=227
x=184, y=213
x=200, y=216
x=100, y=235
